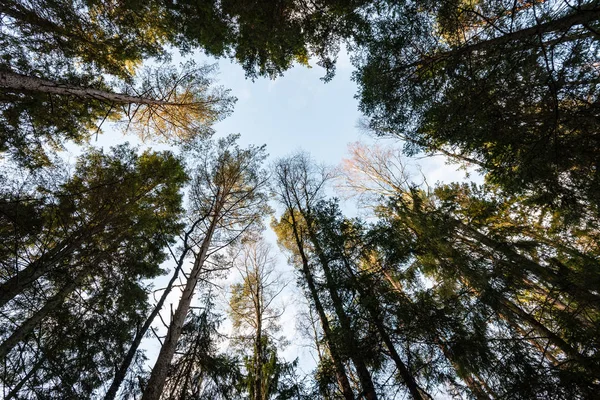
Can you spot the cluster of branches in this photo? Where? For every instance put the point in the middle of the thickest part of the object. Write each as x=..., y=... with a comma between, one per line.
x=455, y=288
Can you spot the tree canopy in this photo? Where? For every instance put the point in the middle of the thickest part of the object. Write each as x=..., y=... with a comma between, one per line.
x=437, y=290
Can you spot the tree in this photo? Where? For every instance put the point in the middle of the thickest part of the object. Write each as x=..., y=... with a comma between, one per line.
x=107, y=38
x=165, y=104
x=73, y=262
x=255, y=318
x=266, y=39
x=228, y=188
x=509, y=85
x=299, y=188
x=494, y=260
x=200, y=371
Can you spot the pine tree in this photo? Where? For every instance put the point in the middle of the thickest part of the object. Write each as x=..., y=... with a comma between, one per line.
x=228, y=188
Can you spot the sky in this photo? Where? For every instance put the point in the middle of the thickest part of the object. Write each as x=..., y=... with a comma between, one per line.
x=295, y=112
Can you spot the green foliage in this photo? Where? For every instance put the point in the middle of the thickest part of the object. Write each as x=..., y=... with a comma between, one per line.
x=508, y=86
x=74, y=258
x=200, y=371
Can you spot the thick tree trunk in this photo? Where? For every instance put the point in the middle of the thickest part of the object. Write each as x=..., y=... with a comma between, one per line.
x=340, y=371
x=23, y=83
x=158, y=377
x=28, y=325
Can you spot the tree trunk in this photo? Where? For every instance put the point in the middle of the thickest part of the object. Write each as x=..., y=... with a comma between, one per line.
x=15, y=285
x=23, y=83
x=544, y=331
x=28, y=325
x=341, y=376
x=126, y=363
x=582, y=16
x=124, y=367
x=473, y=384
x=15, y=391
x=258, y=356
x=158, y=377
x=409, y=380
x=361, y=368
x=507, y=306
x=519, y=263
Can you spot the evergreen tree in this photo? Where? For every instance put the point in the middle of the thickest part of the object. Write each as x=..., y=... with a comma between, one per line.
x=509, y=85
x=227, y=194
x=77, y=272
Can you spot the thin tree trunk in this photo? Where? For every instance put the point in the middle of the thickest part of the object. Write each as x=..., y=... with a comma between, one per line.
x=28, y=325
x=13, y=393
x=361, y=368
x=341, y=376
x=511, y=308
x=409, y=380
x=473, y=384
x=376, y=317
x=161, y=367
x=258, y=365
x=544, y=331
x=521, y=262
x=124, y=367
x=36, y=269
x=126, y=363
x=258, y=356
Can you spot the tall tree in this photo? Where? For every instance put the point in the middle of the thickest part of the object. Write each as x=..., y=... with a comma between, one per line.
x=78, y=270
x=299, y=187
x=501, y=261
x=229, y=187
x=165, y=104
x=508, y=84
x=255, y=316
x=199, y=370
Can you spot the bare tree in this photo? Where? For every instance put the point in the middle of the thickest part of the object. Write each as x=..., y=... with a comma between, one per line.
x=229, y=187
x=255, y=313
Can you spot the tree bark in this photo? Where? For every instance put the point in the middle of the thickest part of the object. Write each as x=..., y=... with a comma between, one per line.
x=341, y=376
x=23, y=83
x=15, y=285
x=361, y=368
x=15, y=391
x=258, y=356
x=158, y=377
x=126, y=363
x=580, y=17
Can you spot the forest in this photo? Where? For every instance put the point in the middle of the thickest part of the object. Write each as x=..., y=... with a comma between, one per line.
x=112, y=262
